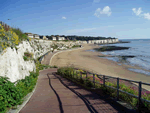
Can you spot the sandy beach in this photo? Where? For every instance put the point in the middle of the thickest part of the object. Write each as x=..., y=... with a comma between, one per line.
x=89, y=60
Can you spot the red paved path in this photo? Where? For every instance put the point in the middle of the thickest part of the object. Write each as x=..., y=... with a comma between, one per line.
x=55, y=94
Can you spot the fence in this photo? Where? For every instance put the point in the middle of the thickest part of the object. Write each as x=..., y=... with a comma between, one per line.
x=104, y=77
x=118, y=90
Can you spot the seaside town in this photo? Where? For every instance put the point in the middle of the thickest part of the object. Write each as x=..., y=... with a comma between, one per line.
x=82, y=62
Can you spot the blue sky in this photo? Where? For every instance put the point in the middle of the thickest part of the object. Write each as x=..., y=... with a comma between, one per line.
x=128, y=19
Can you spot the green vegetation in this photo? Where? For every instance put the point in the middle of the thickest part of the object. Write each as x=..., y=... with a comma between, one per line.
x=82, y=38
x=75, y=76
x=65, y=40
x=11, y=37
x=27, y=56
x=74, y=46
x=20, y=33
x=12, y=95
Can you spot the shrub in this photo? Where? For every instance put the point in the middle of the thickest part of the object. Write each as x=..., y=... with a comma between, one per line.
x=88, y=83
x=74, y=46
x=55, y=66
x=20, y=33
x=11, y=37
x=11, y=94
x=27, y=56
x=8, y=38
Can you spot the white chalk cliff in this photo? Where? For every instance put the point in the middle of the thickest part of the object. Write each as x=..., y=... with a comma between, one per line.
x=12, y=64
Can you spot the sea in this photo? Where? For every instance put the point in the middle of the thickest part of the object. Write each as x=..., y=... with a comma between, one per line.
x=140, y=48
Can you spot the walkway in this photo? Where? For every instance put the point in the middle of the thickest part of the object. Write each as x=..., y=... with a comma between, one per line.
x=55, y=94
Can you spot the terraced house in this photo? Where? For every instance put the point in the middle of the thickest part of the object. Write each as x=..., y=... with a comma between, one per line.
x=30, y=35
x=36, y=36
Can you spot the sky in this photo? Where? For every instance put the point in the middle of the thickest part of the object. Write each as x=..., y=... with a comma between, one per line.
x=123, y=19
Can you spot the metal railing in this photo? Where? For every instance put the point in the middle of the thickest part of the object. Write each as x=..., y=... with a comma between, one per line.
x=104, y=77
x=118, y=90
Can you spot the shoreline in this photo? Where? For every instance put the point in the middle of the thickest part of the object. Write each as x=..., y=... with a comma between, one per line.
x=128, y=65
x=89, y=61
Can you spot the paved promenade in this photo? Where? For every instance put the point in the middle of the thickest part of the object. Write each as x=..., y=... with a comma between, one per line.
x=55, y=94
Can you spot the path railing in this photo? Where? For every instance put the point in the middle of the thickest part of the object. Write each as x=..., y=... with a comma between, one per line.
x=119, y=90
x=105, y=78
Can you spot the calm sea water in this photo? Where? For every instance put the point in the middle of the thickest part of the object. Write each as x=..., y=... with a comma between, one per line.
x=140, y=48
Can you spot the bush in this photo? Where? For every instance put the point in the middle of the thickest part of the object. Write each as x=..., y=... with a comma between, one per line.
x=11, y=95
x=88, y=83
x=27, y=56
x=74, y=46
x=8, y=38
x=11, y=37
x=20, y=33
x=55, y=66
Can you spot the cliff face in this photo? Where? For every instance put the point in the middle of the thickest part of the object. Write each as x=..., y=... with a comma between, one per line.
x=12, y=63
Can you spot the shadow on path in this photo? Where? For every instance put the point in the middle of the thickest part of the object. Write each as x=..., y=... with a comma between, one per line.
x=58, y=98
x=100, y=103
x=87, y=103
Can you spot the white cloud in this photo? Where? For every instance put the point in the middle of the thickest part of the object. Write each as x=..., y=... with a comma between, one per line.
x=137, y=11
x=106, y=10
x=96, y=1
x=64, y=17
x=146, y=16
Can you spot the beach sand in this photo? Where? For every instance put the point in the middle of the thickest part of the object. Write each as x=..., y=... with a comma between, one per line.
x=89, y=60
